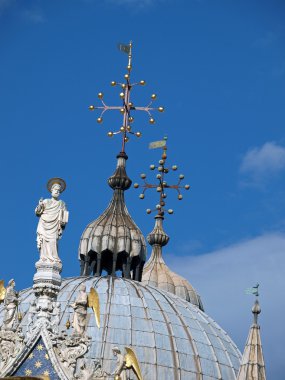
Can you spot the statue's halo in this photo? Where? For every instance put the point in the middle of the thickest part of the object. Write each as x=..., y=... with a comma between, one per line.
x=57, y=180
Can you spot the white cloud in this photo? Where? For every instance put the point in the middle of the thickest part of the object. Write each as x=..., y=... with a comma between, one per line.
x=260, y=163
x=221, y=277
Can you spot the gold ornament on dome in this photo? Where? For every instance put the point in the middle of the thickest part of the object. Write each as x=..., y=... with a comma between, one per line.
x=132, y=362
x=2, y=291
x=94, y=303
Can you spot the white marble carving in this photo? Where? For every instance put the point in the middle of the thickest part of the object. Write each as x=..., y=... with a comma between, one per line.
x=70, y=348
x=121, y=369
x=80, y=312
x=53, y=219
x=56, y=317
x=11, y=306
x=11, y=344
x=125, y=364
x=31, y=315
x=91, y=370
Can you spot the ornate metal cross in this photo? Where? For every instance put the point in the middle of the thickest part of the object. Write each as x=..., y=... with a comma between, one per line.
x=162, y=186
x=127, y=108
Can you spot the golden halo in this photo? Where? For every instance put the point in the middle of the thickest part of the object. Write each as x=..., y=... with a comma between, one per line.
x=58, y=181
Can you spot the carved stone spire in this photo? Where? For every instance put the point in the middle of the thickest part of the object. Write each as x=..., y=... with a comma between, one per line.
x=156, y=272
x=252, y=363
x=113, y=242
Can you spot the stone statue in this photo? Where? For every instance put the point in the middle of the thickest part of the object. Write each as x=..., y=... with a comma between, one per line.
x=53, y=219
x=31, y=314
x=56, y=317
x=120, y=372
x=126, y=362
x=80, y=311
x=10, y=306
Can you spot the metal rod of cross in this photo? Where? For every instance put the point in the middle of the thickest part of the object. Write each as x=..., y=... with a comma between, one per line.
x=127, y=108
x=161, y=186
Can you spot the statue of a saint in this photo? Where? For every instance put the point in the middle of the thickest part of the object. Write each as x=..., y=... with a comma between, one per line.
x=80, y=311
x=10, y=306
x=53, y=219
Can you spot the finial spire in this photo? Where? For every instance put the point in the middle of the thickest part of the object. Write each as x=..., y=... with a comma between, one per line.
x=252, y=363
x=127, y=108
x=156, y=272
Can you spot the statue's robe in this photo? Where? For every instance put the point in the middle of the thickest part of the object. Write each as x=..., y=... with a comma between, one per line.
x=80, y=313
x=49, y=229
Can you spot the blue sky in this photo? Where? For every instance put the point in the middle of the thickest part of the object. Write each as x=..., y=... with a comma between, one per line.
x=218, y=67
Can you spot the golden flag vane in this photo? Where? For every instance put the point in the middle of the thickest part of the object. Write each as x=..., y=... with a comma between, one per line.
x=162, y=186
x=127, y=108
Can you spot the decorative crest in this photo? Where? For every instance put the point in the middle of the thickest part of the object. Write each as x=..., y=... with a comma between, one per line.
x=162, y=186
x=127, y=108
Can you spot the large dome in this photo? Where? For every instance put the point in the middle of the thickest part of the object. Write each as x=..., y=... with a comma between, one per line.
x=172, y=338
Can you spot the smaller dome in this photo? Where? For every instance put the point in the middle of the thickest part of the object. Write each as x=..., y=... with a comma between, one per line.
x=156, y=273
x=113, y=242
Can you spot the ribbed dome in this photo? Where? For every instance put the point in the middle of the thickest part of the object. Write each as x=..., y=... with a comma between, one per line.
x=113, y=242
x=172, y=338
x=156, y=272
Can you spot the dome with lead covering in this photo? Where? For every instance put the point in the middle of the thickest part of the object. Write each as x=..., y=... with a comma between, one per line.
x=156, y=272
x=172, y=338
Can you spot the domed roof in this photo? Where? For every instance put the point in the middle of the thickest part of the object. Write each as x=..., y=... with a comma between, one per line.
x=156, y=272
x=172, y=338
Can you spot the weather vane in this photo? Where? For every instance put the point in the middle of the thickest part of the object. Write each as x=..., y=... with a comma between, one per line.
x=253, y=290
x=162, y=186
x=127, y=108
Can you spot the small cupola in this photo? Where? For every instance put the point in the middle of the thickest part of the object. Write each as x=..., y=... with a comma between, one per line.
x=113, y=242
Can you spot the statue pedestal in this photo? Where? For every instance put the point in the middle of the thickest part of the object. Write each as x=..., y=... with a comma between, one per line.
x=47, y=279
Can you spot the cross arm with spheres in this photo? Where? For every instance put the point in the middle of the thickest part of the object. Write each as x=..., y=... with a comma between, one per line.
x=127, y=108
x=162, y=186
